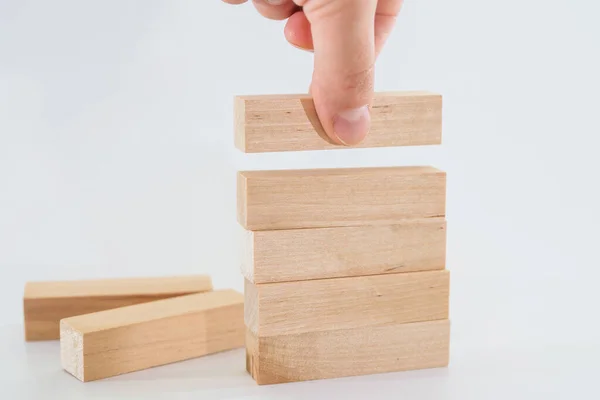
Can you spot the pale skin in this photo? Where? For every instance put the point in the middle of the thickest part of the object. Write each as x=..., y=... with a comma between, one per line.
x=346, y=37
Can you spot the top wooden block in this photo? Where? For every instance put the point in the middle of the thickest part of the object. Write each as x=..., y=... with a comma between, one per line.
x=269, y=123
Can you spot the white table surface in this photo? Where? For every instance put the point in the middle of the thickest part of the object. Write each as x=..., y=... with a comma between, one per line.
x=537, y=370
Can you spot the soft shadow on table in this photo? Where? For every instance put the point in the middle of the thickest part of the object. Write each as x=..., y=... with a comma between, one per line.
x=33, y=371
x=36, y=372
x=228, y=364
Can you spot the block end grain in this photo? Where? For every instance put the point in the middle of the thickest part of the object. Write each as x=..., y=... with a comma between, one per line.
x=252, y=356
x=71, y=350
x=439, y=106
x=242, y=194
x=239, y=113
x=28, y=289
x=251, y=304
x=247, y=253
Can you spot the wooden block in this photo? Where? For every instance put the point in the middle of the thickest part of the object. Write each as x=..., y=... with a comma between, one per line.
x=347, y=352
x=46, y=303
x=270, y=123
x=322, y=198
x=114, y=342
x=302, y=254
x=285, y=308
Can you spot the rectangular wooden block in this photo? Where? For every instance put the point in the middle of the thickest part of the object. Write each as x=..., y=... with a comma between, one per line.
x=347, y=352
x=46, y=303
x=302, y=254
x=268, y=123
x=114, y=342
x=321, y=198
x=285, y=308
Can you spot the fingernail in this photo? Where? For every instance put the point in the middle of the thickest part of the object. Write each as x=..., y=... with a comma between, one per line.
x=275, y=2
x=351, y=126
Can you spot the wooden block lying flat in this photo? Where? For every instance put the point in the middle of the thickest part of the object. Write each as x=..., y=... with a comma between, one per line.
x=46, y=303
x=322, y=198
x=347, y=352
x=114, y=342
x=346, y=303
x=289, y=122
x=302, y=254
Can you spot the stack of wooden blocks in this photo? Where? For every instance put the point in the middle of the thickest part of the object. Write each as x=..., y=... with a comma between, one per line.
x=344, y=268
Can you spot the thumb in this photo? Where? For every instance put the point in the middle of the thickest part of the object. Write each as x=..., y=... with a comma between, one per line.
x=342, y=84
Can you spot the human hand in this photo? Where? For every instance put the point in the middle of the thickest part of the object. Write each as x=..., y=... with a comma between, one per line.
x=346, y=37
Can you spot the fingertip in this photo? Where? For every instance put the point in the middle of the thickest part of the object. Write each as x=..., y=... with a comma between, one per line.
x=343, y=124
x=297, y=31
x=351, y=126
x=344, y=110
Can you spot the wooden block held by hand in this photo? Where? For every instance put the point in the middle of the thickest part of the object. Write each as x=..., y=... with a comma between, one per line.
x=347, y=352
x=268, y=123
x=321, y=198
x=46, y=303
x=114, y=342
x=287, y=308
x=302, y=254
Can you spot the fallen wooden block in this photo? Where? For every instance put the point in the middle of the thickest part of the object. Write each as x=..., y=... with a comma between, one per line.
x=46, y=303
x=268, y=123
x=322, y=198
x=347, y=352
x=346, y=303
x=114, y=342
x=302, y=254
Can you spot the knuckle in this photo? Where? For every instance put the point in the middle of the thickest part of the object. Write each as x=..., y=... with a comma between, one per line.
x=272, y=11
x=359, y=82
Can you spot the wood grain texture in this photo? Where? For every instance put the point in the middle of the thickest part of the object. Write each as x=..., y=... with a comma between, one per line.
x=302, y=254
x=113, y=342
x=322, y=198
x=344, y=303
x=268, y=123
x=46, y=303
x=347, y=352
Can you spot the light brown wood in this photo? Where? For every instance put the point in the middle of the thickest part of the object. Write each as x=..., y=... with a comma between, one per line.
x=46, y=303
x=322, y=198
x=268, y=123
x=344, y=303
x=302, y=254
x=347, y=352
x=113, y=342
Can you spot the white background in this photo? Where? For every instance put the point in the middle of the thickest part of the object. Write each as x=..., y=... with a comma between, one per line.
x=117, y=159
